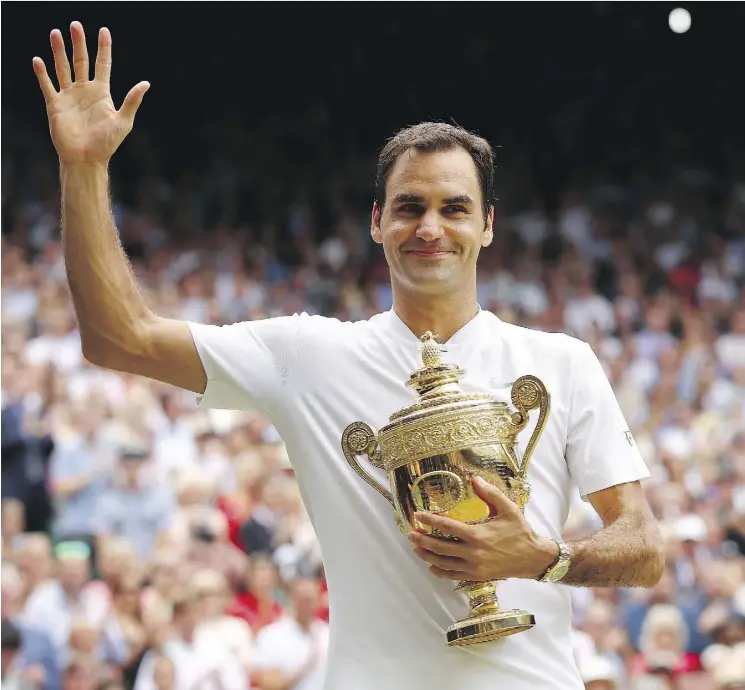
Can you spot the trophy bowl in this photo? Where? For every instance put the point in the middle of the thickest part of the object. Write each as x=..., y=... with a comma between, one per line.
x=432, y=450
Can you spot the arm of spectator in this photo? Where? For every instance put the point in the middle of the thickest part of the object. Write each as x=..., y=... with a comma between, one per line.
x=272, y=679
x=66, y=478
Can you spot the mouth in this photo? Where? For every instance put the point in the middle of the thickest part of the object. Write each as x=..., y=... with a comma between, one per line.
x=429, y=253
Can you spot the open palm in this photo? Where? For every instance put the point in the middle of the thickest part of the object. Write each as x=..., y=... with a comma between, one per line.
x=85, y=125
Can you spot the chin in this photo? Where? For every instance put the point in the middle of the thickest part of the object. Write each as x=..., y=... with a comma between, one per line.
x=431, y=282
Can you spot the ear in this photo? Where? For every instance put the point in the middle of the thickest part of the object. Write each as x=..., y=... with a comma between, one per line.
x=375, y=232
x=488, y=235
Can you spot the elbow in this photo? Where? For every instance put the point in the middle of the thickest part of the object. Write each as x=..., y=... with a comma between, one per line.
x=92, y=354
x=654, y=561
x=111, y=351
x=97, y=350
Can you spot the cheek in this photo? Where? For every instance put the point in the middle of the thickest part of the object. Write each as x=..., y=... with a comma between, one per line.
x=396, y=233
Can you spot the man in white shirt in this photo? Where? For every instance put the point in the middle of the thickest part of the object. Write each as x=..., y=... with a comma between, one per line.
x=199, y=663
x=291, y=653
x=312, y=376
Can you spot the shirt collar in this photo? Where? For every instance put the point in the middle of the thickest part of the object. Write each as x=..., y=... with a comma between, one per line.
x=468, y=333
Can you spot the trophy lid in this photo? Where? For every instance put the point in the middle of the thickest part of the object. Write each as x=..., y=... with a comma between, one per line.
x=437, y=384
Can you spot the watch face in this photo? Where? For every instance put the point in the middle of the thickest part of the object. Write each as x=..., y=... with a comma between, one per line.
x=558, y=572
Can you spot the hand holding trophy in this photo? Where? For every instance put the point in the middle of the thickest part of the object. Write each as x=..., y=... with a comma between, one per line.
x=433, y=450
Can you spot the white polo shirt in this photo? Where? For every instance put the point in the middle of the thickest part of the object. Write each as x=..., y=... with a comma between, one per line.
x=312, y=376
x=285, y=647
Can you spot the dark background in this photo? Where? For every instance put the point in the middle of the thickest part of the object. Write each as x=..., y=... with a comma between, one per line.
x=600, y=88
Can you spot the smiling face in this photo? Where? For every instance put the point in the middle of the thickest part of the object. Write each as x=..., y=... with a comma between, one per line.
x=432, y=226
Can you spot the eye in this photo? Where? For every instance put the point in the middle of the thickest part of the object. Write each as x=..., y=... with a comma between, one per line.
x=410, y=208
x=455, y=208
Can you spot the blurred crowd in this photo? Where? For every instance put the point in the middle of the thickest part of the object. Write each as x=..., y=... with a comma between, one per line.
x=146, y=544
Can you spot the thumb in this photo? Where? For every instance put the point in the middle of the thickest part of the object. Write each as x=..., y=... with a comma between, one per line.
x=493, y=496
x=133, y=100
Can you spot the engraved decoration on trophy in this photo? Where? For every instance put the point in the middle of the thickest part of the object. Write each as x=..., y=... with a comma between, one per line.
x=432, y=450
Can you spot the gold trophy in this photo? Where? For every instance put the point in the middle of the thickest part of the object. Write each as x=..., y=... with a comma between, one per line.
x=433, y=449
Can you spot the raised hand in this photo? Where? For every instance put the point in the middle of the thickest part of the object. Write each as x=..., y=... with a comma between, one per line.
x=85, y=125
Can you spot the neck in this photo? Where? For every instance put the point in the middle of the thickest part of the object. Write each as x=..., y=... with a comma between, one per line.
x=444, y=315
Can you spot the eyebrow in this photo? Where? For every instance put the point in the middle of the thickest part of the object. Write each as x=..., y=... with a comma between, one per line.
x=416, y=199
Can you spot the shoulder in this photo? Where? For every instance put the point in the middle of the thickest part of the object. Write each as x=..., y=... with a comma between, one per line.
x=554, y=345
x=278, y=329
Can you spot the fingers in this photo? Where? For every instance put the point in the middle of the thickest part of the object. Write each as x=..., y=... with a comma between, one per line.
x=133, y=100
x=442, y=562
x=446, y=525
x=493, y=496
x=79, y=52
x=103, y=56
x=61, y=64
x=450, y=574
x=443, y=547
x=45, y=83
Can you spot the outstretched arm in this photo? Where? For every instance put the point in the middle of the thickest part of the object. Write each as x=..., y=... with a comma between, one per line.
x=117, y=329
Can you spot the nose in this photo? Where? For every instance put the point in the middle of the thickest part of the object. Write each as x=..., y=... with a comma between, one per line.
x=429, y=226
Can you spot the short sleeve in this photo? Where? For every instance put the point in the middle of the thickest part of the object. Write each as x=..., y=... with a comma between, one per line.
x=601, y=452
x=248, y=364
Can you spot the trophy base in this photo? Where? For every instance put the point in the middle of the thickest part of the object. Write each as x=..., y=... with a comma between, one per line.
x=489, y=625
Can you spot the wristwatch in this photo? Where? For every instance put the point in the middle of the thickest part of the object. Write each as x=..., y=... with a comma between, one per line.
x=560, y=567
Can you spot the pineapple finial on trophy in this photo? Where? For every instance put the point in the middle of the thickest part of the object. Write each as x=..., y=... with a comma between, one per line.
x=430, y=350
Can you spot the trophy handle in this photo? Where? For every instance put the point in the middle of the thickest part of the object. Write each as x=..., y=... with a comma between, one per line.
x=529, y=392
x=359, y=438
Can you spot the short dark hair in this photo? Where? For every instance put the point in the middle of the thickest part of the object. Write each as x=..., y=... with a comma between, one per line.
x=430, y=137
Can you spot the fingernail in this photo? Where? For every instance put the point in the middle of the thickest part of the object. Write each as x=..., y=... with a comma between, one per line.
x=480, y=481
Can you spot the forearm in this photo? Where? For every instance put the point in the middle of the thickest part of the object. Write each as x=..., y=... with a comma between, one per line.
x=107, y=302
x=64, y=488
x=626, y=553
x=274, y=680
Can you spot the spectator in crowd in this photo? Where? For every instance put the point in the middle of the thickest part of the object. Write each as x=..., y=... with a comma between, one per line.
x=56, y=604
x=291, y=652
x=36, y=658
x=35, y=561
x=134, y=507
x=230, y=632
x=663, y=643
x=79, y=469
x=13, y=676
x=197, y=662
